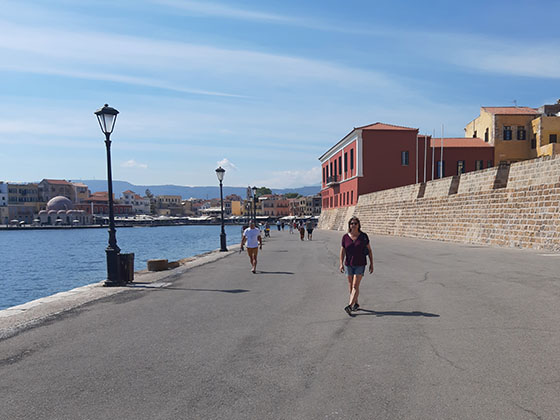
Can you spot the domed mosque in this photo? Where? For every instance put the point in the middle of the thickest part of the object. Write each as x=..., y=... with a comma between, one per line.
x=60, y=211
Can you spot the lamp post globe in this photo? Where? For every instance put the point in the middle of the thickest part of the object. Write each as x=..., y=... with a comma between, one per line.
x=220, y=172
x=106, y=116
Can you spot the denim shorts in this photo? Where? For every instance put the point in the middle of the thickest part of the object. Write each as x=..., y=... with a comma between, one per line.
x=352, y=270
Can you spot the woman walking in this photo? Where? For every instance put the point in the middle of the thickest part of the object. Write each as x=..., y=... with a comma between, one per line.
x=355, y=248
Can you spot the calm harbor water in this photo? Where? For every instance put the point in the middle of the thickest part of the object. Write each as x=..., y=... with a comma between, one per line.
x=39, y=263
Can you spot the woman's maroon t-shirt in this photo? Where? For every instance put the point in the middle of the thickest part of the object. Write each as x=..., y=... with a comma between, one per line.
x=355, y=249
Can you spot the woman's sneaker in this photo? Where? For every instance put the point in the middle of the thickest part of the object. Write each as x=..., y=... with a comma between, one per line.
x=355, y=307
x=348, y=310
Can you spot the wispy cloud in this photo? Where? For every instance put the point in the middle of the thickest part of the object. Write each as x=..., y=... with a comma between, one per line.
x=292, y=179
x=221, y=10
x=133, y=164
x=227, y=164
x=166, y=64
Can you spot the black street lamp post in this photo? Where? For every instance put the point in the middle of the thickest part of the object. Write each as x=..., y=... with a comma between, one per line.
x=220, y=172
x=106, y=117
x=255, y=204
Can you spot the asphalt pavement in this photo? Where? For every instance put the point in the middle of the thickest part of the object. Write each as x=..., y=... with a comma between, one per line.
x=446, y=331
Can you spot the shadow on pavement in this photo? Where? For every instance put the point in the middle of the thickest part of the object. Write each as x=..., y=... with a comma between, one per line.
x=209, y=290
x=395, y=313
x=275, y=272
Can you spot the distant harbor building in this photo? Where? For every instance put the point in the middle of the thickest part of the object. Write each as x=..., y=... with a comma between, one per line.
x=4, y=215
x=50, y=188
x=140, y=205
x=23, y=202
x=98, y=205
x=60, y=211
x=169, y=205
x=274, y=205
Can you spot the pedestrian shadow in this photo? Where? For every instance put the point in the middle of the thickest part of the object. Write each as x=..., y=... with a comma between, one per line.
x=233, y=291
x=275, y=272
x=165, y=287
x=395, y=313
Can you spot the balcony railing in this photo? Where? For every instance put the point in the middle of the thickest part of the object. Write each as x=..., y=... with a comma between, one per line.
x=333, y=179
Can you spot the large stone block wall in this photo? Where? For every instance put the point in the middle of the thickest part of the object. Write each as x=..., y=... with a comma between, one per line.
x=515, y=206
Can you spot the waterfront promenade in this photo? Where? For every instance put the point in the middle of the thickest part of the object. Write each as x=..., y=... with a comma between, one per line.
x=447, y=331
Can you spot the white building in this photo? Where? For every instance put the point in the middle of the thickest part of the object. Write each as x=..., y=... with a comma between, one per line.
x=60, y=211
x=140, y=205
x=3, y=194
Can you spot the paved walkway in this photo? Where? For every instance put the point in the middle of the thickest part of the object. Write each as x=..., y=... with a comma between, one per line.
x=447, y=331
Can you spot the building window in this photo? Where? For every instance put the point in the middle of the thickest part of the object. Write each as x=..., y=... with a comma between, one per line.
x=404, y=158
x=521, y=133
x=335, y=171
x=460, y=167
x=533, y=143
x=352, y=197
x=340, y=165
x=351, y=159
x=345, y=162
x=474, y=134
x=552, y=138
x=486, y=136
x=507, y=132
x=324, y=177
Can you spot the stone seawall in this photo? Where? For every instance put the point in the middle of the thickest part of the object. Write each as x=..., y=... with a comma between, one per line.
x=514, y=206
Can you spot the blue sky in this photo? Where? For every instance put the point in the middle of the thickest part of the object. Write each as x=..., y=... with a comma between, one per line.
x=261, y=87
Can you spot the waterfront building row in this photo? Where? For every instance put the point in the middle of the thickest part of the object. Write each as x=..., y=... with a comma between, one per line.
x=382, y=156
x=74, y=204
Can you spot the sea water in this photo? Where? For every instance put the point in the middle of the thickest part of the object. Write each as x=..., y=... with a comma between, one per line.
x=39, y=263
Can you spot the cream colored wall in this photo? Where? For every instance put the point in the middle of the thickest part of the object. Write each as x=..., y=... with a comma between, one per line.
x=542, y=127
x=480, y=124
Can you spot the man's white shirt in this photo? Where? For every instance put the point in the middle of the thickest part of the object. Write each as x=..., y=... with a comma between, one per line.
x=252, y=235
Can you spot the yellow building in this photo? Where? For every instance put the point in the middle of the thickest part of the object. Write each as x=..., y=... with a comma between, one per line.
x=508, y=129
x=518, y=132
x=546, y=130
x=236, y=208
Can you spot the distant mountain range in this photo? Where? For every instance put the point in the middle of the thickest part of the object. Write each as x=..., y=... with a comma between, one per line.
x=186, y=192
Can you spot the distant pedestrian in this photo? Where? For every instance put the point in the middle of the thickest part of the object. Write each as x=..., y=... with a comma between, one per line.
x=278, y=225
x=291, y=227
x=309, y=227
x=283, y=224
x=301, y=228
x=252, y=236
x=353, y=259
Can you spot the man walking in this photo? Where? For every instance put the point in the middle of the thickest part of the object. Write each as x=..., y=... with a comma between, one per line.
x=252, y=236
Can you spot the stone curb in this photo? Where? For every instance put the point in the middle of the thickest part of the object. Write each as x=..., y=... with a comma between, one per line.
x=18, y=318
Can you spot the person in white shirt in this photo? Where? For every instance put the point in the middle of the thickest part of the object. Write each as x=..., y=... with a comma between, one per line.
x=252, y=236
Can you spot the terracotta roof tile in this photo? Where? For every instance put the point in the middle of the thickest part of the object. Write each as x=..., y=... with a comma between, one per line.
x=57, y=181
x=383, y=126
x=459, y=142
x=510, y=110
